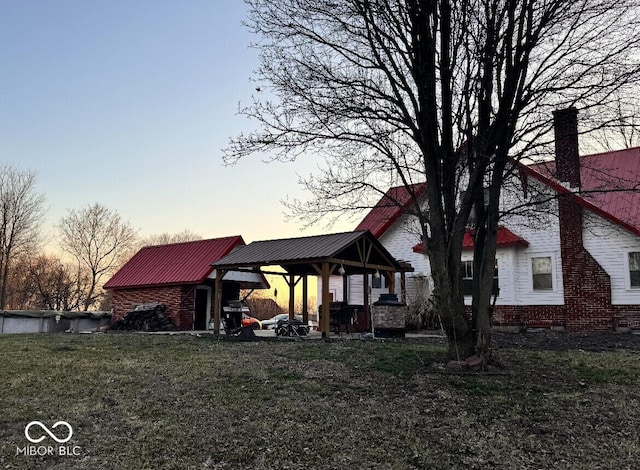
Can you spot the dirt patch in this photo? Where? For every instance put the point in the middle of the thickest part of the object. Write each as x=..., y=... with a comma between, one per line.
x=562, y=341
x=547, y=340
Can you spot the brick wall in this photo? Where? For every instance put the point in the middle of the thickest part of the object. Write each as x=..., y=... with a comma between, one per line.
x=179, y=301
x=532, y=316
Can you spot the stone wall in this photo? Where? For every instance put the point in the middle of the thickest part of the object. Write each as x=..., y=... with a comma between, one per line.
x=389, y=316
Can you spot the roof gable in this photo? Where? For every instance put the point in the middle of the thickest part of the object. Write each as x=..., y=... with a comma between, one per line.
x=610, y=185
x=389, y=209
x=175, y=263
x=504, y=238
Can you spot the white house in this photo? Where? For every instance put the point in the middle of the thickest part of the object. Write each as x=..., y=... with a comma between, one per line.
x=573, y=261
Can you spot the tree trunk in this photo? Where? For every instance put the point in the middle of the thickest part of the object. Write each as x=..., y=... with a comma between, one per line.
x=3, y=289
x=88, y=301
x=484, y=256
x=448, y=298
x=456, y=326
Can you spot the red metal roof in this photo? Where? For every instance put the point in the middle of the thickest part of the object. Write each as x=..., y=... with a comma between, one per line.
x=604, y=179
x=176, y=263
x=389, y=208
x=505, y=238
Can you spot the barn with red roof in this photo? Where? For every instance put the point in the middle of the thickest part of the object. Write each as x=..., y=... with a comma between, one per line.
x=569, y=260
x=180, y=276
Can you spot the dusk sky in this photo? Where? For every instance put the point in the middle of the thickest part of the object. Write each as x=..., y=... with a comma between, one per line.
x=129, y=103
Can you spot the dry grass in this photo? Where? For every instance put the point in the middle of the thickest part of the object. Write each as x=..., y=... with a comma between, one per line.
x=182, y=402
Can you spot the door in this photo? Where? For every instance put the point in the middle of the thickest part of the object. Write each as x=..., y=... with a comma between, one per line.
x=201, y=308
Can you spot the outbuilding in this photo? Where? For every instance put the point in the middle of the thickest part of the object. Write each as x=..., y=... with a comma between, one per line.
x=180, y=276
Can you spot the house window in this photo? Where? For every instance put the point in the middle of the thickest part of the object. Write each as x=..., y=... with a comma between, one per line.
x=467, y=277
x=634, y=268
x=377, y=283
x=466, y=272
x=542, y=273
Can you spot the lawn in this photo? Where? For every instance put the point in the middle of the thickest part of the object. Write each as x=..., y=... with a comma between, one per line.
x=184, y=402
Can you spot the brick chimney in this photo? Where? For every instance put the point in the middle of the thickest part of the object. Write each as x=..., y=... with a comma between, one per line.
x=587, y=286
x=565, y=124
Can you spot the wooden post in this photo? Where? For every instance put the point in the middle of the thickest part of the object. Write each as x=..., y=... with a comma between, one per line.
x=217, y=298
x=305, y=295
x=345, y=289
x=403, y=287
x=292, y=289
x=325, y=299
x=392, y=282
x=365, y=288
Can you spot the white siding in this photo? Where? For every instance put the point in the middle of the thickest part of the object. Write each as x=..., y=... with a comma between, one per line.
x=355, y=289
x=335, y=287
x=505, y=257
x=610, y=245
x=399, y=240
x=356, y=296
x=542, y=231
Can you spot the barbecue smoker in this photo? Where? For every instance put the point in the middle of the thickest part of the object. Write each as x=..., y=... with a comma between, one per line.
x=232, y=314
x=389, y=317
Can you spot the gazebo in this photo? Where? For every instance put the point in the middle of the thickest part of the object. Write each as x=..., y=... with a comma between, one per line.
x=348, y=253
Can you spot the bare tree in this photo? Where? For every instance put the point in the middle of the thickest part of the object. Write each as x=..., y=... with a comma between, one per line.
x=618, y=126
x=165, y=238
x=158, y=239
x=21, y=212
x=20, y=292
x=444, y=92
x=43, y=282
x=96, y=237
x=57, y=286
x=261, y=306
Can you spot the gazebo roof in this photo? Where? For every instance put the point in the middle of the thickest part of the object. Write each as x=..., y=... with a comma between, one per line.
x=357, y=252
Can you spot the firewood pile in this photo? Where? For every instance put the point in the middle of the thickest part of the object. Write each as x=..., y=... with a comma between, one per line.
x=145, y=317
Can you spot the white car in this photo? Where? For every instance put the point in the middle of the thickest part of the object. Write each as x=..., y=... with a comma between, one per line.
x=272, y=322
